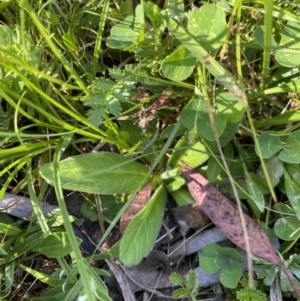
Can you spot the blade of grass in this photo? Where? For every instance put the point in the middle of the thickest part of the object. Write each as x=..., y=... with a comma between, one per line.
x=97, y=49
x=268, y=22
x=82, y=268
x=27, y=7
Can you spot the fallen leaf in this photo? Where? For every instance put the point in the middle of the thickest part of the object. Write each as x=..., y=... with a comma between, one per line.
x=189, y=217
x=225, y=215
x=137, y=204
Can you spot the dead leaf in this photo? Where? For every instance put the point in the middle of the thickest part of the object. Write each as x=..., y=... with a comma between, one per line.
x=137, y=204
x=225, y=215
x=189, y=217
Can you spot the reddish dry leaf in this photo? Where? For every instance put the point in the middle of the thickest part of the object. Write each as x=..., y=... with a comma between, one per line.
x=225, y=215
x=137, y=204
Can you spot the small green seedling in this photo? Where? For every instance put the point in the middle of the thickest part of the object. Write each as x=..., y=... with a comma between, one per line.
x=227, y=261
x=250, y=294
x=189, y=287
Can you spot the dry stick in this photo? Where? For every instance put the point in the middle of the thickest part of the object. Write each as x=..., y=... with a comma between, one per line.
x=213, y=124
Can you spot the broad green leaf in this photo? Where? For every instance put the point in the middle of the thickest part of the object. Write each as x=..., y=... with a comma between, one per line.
x=55, y=245
x=228, y=106
x=285, y=156
x=175, y=9
x=205, y=127
x=223, y=76
x=256, y=194
x=269, y=144
x=177, y=183
x=275, y=169
x=210, y=262
x=287, y=57
x=231, y=254
x=293, y=193
x=283, y=209
x=287, y=228
x=182, y=197
x=231, y=274
x=208, y=26
x=213, y=169
x=294, y=172
x=140, y=235
x=70, y=41
x=195, y=115
x=290, y=36
x=105, y=173
x=266, y=272
x=179, y=65
x=192, y=155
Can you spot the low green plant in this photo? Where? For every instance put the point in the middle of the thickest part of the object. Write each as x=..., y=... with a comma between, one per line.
x=189, y=287
x=226, y=261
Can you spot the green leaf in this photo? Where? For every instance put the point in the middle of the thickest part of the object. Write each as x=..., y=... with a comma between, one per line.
x=293, y=192
x=176, y=278
x=290, y=36
x=256, y=194
x=227, y=105
x=140, y=235
x=269, y=144
x=193, y=155
x=195, y=114
x=55, y=245
x=175, y=9
x=48, y=279
x=213, y=169
x=191, y=280
x=122, y=35
x=292, y=146
x=106, y=173
x=179, y=65
x=20, y=248
x=208, y=26
x=259, y=37
x=231, y=274
x=251, y=295
x=287, y=228
x=181, y=292
x=288, y=57
x=70, y=41
x=223, y=76
x=209, y=259
x=177, y=183
x=9, y=229
x=275, y=169
x=266, y=272
x=182, y=197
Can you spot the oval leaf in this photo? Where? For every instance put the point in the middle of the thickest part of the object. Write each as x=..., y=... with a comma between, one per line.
x=140, y=235
x=106, y=173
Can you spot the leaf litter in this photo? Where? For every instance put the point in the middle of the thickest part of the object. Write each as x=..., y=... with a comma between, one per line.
x=225, y=215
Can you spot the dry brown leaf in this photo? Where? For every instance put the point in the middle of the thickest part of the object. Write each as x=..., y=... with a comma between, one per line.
x=225, y=215
x=137, y=204
x=189, y=217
